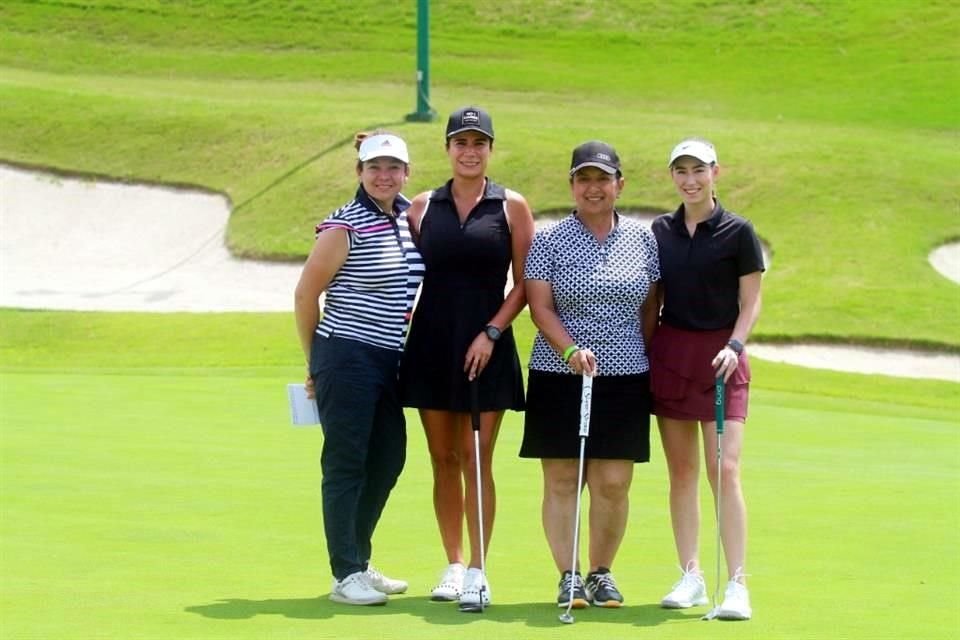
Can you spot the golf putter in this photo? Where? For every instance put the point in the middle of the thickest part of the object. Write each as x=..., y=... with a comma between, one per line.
x=475, y=423
x=720, y=409
x=586, y=402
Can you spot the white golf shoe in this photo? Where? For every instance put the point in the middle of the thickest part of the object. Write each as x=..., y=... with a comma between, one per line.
x=736, y=601
x=689, y=591
x=451, y=584
x=383, y=584
x=476, y=589
x=356, y=589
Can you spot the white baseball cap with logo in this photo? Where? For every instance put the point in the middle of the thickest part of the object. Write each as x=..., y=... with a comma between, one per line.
x=699, y=149
x=383, y=145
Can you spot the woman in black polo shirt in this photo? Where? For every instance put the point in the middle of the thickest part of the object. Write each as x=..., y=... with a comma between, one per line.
x=711, y=265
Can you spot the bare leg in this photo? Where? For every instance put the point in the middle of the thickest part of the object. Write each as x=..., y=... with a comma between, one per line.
x=680, y=447
x=733, y=510
x=559, y=504
x=609, y=485
x=443, y=430
x=489, y=429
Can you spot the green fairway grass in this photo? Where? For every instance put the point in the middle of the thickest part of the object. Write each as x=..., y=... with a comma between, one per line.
x=837, y=133
x=150, y=484
x=142, y=499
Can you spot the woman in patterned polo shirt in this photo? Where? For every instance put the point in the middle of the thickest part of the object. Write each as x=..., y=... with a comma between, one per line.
x=591, y=283
x=366, y=262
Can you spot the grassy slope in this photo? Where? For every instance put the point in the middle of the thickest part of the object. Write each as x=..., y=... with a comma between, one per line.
x=257, y=98
x=154, y=489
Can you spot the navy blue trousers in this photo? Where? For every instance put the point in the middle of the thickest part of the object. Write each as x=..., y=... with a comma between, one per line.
x=364, y=443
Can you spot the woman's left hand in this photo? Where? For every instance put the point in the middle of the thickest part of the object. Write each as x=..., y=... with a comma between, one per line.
x=478, y=355
x=726, y=362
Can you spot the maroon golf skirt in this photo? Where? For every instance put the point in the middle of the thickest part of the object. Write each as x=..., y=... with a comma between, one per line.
x=682, y=378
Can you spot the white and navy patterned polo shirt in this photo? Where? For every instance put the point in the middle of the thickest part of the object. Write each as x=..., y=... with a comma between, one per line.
x=598, y=289
x=370, y=299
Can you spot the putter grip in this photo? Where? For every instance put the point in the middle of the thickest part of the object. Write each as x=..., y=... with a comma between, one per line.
x=720, y=404
x=475, y=404
x=586, y=402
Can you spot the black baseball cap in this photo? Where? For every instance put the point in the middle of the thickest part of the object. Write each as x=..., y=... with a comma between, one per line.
x=470, y=119
x=595, y=154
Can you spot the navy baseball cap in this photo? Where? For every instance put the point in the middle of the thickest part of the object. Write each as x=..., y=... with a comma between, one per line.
x=470, y=119
x=595, y=154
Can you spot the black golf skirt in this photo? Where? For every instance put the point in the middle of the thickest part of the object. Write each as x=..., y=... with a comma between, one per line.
x=619, y=418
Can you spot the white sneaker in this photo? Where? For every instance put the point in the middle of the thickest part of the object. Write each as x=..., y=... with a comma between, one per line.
x=356, y=589
x=736, y=601
x=451, y=584
x=475, y=587
x=383, y=584
x=690, y=591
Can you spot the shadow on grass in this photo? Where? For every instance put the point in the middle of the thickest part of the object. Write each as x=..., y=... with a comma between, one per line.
x=537, y=614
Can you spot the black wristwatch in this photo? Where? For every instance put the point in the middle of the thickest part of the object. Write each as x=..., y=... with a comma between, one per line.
x=735, y=345
x=492, y=332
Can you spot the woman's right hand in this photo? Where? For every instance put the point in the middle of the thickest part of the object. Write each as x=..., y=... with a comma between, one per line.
x=725, y=363
x=583, y=361
x=308, y=385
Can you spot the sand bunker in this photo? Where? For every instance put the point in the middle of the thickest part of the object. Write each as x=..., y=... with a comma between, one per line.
x=946, y=260
x=101, y=246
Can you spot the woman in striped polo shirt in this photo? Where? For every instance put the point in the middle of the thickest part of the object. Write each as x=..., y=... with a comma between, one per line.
x=366, y=263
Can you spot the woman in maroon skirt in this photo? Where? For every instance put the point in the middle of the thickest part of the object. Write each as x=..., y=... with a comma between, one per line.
x=710, y=265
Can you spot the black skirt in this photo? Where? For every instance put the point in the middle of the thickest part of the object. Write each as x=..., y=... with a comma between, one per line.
x=619, y=418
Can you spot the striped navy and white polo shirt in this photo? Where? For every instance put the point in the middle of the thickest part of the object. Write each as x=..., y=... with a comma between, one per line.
x=370, y=299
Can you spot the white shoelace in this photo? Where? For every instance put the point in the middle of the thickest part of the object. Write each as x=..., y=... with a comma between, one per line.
x=739, y=574
x=605, y=580
x=689, y=576
x=577, y=584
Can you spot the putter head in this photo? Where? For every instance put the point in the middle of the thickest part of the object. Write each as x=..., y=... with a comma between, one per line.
x=712, y=614
x=566, y=618
x=473, y=607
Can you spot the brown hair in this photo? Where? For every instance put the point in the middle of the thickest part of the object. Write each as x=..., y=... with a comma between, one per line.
x=359, y=137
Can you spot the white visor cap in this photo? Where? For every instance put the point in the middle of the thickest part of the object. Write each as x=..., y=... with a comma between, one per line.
x=383, y=145
x=702, y=151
